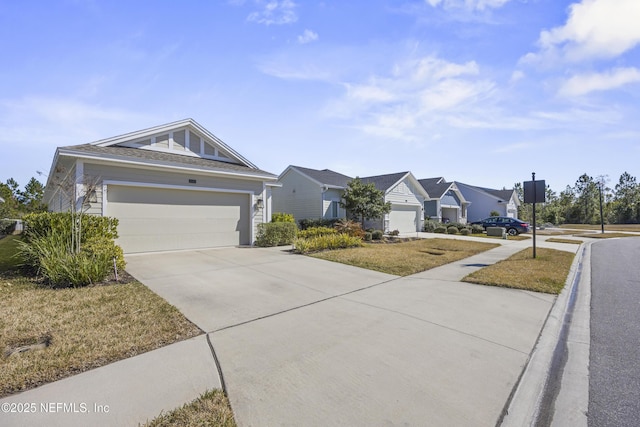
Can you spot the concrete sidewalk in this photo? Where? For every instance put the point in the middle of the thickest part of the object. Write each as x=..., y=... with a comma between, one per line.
x=124, y=393
x=331, y=348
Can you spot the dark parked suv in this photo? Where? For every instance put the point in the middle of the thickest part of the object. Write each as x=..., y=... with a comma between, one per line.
x=514, y=226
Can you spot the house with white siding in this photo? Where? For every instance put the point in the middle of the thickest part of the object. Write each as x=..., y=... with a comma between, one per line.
x=407, y=197
x=309, y=193
x=483, y=201
x=174, y=186
x=446, y=202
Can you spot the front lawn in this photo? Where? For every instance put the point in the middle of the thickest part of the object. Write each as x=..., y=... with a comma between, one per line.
x=56, y=333
x=546, y=273
x=406, y=258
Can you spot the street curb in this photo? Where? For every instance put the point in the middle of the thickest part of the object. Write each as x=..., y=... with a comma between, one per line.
x=531, y=393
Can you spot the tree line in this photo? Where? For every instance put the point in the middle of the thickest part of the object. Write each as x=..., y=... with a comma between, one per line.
x=583, y=202
x=18, y=202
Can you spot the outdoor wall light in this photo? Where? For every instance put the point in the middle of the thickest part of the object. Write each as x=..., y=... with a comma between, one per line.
x=259, y=203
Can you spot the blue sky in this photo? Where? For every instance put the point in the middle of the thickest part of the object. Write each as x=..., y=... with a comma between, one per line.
x=478, y=91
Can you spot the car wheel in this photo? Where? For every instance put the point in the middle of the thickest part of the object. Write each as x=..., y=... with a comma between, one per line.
x=512, y=232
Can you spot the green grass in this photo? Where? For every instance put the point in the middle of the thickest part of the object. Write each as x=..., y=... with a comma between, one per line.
x=546, y=273
x=8, y=248
x=85, y=327
x=406, y=258
x=211, y=409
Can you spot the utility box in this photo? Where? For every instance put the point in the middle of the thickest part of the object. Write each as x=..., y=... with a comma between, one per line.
x=497, y=232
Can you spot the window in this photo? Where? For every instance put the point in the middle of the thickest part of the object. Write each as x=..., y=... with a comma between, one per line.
x=178, y=140
x=334, y=209
x=162, y=141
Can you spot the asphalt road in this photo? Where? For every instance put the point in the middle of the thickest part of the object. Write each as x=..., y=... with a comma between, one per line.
x=614, y=385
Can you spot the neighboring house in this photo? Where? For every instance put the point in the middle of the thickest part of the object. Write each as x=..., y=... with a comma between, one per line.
x=407, y=199
x=172, y=187
x=485, y=200
x=310, y=193
x=446, y=203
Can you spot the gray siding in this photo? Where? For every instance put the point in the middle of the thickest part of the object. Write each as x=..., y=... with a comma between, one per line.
x=298, y=196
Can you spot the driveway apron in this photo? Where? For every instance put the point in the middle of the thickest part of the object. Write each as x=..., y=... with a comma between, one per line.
x=303, y=341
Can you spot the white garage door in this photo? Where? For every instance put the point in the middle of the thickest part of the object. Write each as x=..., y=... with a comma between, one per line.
x=404, y=218
x=156, y=219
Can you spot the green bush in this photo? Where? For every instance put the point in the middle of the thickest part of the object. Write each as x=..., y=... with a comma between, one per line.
x=377, y=234
x=315, y=232
x=430, y=226
x=49, y=248
x=368, y=236
x=452, y=229
x=50, y=255
x=465, y=231
x=276, y=233
x=319, y=222
x=477, y=229
x=92, y=226
x=282, y=217
x=330, y=241
x=440, y=229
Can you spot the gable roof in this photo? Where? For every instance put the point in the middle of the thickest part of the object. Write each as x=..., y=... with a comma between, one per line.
x=188, y=124
x=384, y=182
x=503, y=196
x=325, y=177
x=136, y=155
x=436, y=187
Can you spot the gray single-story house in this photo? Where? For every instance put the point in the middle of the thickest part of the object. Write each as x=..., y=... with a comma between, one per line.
x=446, y=203
x=485, y=200
x=407, y=199
x=174, y=186
x=309, y=193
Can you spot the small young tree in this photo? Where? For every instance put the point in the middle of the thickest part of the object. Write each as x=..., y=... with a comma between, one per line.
x=364, y=201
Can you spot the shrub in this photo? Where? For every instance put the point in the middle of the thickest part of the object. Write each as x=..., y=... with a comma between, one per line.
x=319, y=222
x=477, y=229
x=452, y=229
x=394, y=233
x=276, y=233
x=440, y=229
x=282, y=217
x=430, y=226
x=465, y=231
x=494, y=213
x=50, y=248
x=349, y=227
x=91, y=226
x=50, y=255
x=330, y=241
x=377, y=235
x=368, y=236
x=315, y=232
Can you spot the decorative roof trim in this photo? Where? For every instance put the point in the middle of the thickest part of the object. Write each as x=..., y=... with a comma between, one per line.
x=66, y=152
x=140, y=134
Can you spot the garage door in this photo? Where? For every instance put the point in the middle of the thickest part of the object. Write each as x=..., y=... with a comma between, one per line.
x=404, y=218
x=156, y=219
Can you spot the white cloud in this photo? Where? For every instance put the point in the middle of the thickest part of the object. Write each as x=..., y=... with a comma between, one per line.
x=595, y=29
x=414, y=96
x=585, y=83
x=275, y=13
x=307, y=37
x=468, y=4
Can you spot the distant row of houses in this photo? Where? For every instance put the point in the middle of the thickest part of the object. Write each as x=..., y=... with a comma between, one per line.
x=310, y=193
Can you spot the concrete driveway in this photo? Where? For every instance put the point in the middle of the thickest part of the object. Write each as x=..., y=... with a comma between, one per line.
x=308, y=342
